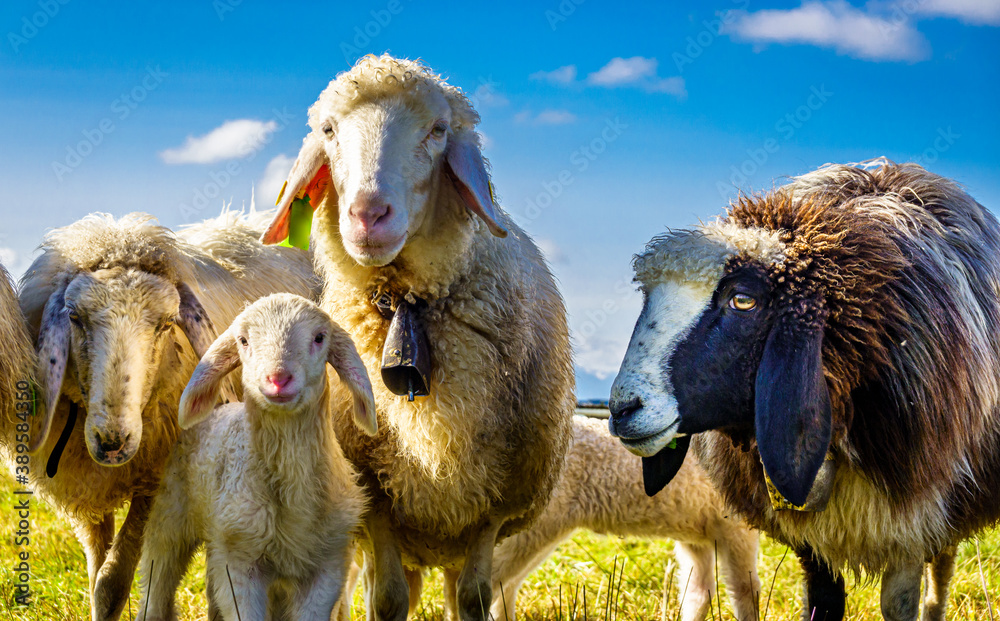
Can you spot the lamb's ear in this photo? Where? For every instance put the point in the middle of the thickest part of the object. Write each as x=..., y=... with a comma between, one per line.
x=309, y=175
x=466, y=168
x=792, y=418
x=53, y=354
x=202, y=391
x=344, y=358
x=194, y=321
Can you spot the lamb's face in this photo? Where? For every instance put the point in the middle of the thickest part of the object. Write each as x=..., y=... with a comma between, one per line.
x=386, y=157
x=121, y=321
x=284, y=350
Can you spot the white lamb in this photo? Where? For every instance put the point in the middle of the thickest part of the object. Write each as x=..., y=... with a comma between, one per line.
x=263, y=484
x=601, y=490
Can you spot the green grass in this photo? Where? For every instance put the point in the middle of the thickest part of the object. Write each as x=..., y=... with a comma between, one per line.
x=583, y=564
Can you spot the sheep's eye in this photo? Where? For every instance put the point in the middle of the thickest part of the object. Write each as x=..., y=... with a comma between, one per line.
x=75, y=318
x=319, y=338
x=742, y=302
x=166, y=325
x=328, y=130
x=243, y=341
x=439, y=130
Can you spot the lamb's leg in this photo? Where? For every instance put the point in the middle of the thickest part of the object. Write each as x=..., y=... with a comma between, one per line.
x=165, y=558
x=387, y=594
x=939, y=573
x=695, y=579
x=238, y=584
x=316, y=601
x=450, y=595
x=901, y=591
x=738, y=558
x=114, y=580
x=342, y=611
x=825, y=596
x=96, y=538
x=474, y=590
x=519, y=555
x=415, y=583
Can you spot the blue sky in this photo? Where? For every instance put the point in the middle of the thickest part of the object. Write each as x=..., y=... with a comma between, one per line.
x=605, y=122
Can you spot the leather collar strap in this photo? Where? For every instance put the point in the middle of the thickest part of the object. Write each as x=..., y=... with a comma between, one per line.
x=53, y=464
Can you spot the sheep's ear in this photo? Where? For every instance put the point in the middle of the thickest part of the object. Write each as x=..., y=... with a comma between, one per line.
x=466, y=168
x=344, y=358
x=194, y=321
x=53, y=354
x=661, y=468
x=310, y=175
x=202, y=391
x=792, y=418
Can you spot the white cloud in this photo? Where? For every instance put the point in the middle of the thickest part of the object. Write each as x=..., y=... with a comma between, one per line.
x=978, y=12
x=562, y=76
x=8, y=256
x=834, y=24
x=638, y=72
x=270, y=182
x=487, y=95
x=599, y=355
x=230, y=140
x=549, y=116
x=552, y=252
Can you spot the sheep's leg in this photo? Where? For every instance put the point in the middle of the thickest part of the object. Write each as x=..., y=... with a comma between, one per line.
x=901, y=591
x=939, y=573
x=825, y=595
x=386, y=592
x=738, y=557
x=696, y=579
x=214, y=614
x=114, y=580
x=96, y=538
x=474, y=588
x=237, y=584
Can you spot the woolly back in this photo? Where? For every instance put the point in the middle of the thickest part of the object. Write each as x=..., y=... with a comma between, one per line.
x=17, y=359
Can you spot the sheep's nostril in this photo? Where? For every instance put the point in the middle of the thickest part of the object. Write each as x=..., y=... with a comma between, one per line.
x=624, y=409
x=112, y=444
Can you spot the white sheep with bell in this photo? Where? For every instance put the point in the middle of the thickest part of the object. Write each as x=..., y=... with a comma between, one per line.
x=263, y=483
x=405, y=218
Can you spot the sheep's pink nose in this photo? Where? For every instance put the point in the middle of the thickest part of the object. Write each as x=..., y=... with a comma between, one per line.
x=279, y=380
x=368, y=210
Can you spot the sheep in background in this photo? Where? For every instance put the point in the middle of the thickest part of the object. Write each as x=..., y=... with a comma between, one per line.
x=405, y=212
x=601, y=490
x=263, y=484
x=121, y=311
x=17, y=372
x=846, y=324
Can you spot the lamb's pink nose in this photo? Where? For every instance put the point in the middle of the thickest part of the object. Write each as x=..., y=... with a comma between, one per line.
x=279, y=380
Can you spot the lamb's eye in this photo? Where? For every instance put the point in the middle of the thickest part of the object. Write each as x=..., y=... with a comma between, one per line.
x=742, y=302
x=439, y=129
x=328, y=130
x=319, y=338
x=243, y=341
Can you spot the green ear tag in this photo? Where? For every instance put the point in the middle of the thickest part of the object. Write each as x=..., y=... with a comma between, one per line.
x=672, y=444
x=299, y=224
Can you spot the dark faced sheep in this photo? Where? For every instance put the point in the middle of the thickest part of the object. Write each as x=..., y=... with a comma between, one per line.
x=839, y=337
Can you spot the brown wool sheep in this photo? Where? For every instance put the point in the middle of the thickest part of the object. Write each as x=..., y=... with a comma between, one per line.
x=405, y=212
x=17, y=372
x=840, y=336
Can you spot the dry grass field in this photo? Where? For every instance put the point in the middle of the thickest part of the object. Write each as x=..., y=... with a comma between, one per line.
x=575, y=583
